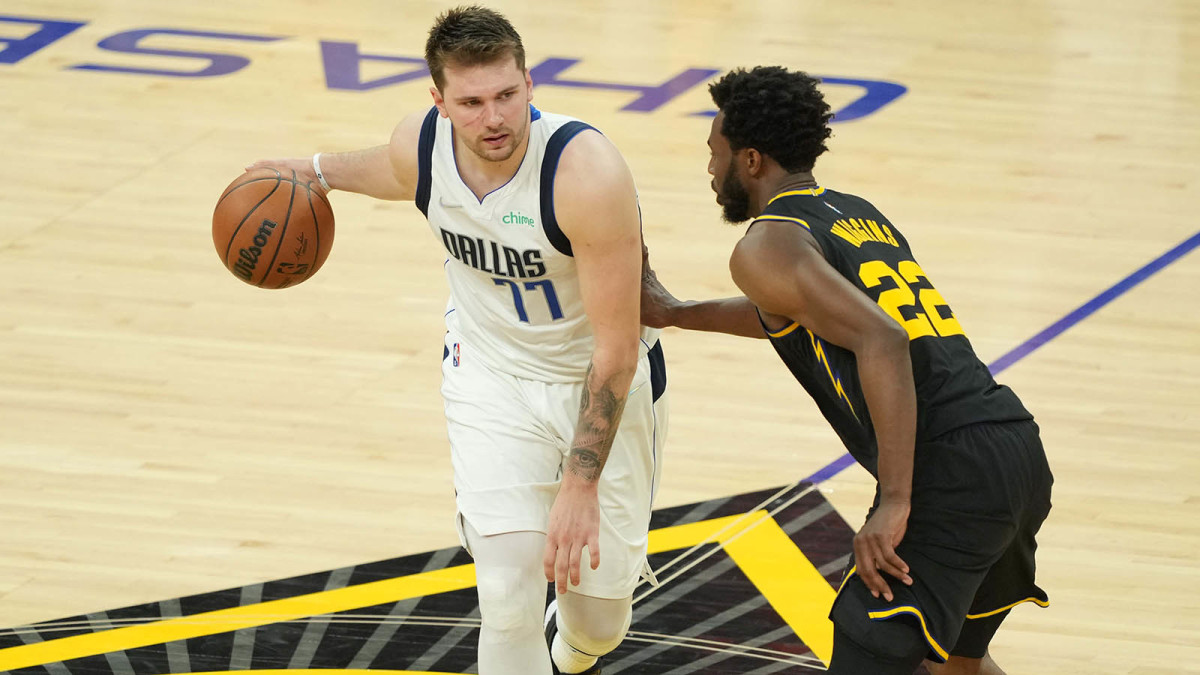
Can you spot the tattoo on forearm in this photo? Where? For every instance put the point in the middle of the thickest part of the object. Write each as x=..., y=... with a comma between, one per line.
x=599, y=415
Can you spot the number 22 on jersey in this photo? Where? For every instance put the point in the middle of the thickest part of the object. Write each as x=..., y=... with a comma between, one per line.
x=931, y=316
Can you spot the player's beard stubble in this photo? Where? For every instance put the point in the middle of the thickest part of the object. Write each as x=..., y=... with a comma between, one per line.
x=734, y=197
x=484, y=151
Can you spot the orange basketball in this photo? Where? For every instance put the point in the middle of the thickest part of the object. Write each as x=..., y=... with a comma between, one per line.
x=272, y=230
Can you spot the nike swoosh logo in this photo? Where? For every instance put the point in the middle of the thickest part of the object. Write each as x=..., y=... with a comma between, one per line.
x=634, y=389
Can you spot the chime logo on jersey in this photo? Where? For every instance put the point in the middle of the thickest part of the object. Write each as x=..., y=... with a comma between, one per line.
x=517, y=218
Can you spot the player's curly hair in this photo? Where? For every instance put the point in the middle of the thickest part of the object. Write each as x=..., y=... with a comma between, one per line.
x=781, y=114
x=470, y=36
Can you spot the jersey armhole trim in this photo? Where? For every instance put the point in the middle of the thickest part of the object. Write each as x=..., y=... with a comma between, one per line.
x=554, y=147
x=658, y=371
x=782, y=332
x=425, y=160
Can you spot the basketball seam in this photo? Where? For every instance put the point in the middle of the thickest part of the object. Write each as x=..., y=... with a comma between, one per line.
x=316, y=234
x=308, y=186
x=233, y=237
x=228, y=191
x=282, y=234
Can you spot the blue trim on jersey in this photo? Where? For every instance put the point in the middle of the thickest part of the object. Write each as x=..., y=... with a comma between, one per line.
x=554, y=148
x=425, y=160
x=658, y=371
x=653, y=458
x=658, y=386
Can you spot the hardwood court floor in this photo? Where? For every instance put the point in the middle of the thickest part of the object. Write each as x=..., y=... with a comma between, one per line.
x=166, y=430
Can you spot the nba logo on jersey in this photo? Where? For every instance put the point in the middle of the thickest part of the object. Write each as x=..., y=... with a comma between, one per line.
x=455, y=355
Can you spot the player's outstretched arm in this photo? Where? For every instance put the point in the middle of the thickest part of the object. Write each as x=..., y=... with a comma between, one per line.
x=596, y=206
x=735, y=316
x=781, y=269
x=384, y=171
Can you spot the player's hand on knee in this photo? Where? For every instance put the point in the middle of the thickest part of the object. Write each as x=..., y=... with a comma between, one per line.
x=875, y=548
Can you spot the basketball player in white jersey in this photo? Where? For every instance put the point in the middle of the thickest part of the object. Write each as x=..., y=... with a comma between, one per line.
x=554, y=392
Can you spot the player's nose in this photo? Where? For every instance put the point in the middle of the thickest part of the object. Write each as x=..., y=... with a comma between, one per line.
x=495, y=118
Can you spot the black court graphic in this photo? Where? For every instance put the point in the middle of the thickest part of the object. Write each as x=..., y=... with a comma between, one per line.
x=744, y=585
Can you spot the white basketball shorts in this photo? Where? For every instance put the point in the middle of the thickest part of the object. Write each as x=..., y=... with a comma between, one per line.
x=509, y=439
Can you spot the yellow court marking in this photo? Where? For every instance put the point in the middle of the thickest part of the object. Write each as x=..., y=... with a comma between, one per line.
x=767, y=556
x=755, y=542
x=249, y=616
x=689, y=534
x=326, y=671
x=790, y=582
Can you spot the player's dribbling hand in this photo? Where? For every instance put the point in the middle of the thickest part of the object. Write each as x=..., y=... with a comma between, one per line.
x=875, y=548
x=302, y=167
x=574, y=524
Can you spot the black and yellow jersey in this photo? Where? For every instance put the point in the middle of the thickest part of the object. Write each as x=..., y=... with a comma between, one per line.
x=954, y=388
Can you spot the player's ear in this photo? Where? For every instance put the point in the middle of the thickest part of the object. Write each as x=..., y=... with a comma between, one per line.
x=528, y=87
x=754, y=162
x=439, y=101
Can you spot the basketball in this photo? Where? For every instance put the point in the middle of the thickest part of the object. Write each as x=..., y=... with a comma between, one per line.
x=272, y=230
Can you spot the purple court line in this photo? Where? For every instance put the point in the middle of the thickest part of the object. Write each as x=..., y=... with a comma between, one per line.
x=1052, y=331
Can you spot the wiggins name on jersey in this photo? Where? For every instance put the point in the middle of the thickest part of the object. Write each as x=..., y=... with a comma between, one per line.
x=954, y=388
x=514, y=289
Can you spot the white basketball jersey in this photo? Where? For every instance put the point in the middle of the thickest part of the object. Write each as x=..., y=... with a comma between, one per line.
x=514, y=289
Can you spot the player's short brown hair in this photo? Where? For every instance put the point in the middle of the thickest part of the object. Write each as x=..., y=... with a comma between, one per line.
x=470, y=36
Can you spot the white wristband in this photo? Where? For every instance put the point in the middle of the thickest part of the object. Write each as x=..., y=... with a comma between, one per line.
x=320, y=176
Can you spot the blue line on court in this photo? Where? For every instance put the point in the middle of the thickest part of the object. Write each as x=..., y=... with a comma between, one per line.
x=1054, y=330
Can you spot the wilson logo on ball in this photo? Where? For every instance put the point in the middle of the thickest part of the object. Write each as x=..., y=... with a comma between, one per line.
x=272, y=230
x=248, y=257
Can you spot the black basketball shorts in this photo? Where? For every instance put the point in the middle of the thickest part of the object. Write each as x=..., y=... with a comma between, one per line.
x=980, y=493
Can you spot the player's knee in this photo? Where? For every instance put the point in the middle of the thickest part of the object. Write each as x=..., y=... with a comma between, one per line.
x=596, y=642
x=504, y=606
x=594, y=626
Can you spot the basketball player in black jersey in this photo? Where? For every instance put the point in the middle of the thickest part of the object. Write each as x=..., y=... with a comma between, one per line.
x=963, y=485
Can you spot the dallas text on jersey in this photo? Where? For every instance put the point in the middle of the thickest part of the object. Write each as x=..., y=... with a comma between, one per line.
x=488, y=256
